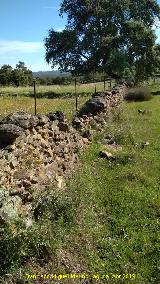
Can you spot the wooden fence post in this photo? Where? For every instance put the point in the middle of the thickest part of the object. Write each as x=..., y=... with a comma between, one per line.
x=76, y=94
x=35, y=98
x=95, y=90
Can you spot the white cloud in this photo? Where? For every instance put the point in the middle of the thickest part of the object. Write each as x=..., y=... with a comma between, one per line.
x=35, y=67
x=12, y=47
x=59, y=29
x=157, y=24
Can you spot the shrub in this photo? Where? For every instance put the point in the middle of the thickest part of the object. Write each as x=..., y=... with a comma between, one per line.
x=138, y=94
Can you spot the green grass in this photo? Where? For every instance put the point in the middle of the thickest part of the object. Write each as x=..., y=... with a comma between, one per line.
x=106, y=221
x=49, y=98
x=44, y=105
x=52, y=91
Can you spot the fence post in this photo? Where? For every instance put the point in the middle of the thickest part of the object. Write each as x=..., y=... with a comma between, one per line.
x=35, y=98
x=76, y=94
x=110, y=84
x=95, y=89
x=154, y=79
x=104, y=83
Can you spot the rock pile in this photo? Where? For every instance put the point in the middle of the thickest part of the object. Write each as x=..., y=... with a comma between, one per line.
x=98, y=108
x=36, y=150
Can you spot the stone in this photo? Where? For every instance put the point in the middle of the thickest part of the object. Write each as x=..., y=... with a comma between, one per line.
x=21, y=174
x=9, y=207
x=44, y=143
x=108, y=93
x=60, y=182
x=77, y=123
x=21, y=119
x=43, y=119
x=107, y=155
x=87, y=134
x=58, y=115
x=63, y=126
x=8, y=134
x=33, y=179
x=145, y=144
x=99, y=119
x=86, y=141
x=50, y=140
x=10, y=148
x=52, y=125
x=50, y=132
x=13, y=163
x=26, y=183
x=93, y=106
x=13, y=192
x=84, y=117
x=26, y=196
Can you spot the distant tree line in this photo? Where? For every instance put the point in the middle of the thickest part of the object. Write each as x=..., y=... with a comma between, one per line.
x=20, y=76
x=54, y=80
x=86, y=78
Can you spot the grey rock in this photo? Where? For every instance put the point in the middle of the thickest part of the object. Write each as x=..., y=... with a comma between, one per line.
x=58, y=115
x=87, y=134
x=63, y=126
x=99, y=119
x=77, y=123
x=107, y=155
x=93, y=106
x=8, y=133
x=21, y=119
x=43, y=119
x=9, y=206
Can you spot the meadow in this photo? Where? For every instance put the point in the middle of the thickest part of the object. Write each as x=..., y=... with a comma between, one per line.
x=105, y=223
x=49, y=98
x=54, y=90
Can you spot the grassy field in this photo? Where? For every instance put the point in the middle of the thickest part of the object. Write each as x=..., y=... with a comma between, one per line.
x=53, y=91
x=106, y=222
x=50, y=98
x=44, y=105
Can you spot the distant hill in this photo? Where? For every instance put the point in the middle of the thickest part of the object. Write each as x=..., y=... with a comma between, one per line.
x=51, y=74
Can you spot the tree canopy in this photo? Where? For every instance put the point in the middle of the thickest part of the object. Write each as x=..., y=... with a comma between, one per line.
x=102, y=35
x=20, y=76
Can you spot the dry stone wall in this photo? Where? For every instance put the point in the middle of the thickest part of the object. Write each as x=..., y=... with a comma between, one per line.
x=37, y=150
x=98, y=108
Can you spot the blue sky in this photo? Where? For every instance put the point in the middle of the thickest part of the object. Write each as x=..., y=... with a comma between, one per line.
x=23, y=26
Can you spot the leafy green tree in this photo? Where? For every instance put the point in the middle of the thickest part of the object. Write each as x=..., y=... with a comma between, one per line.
x=6, y=75
x=21, y=76
x=102, y=35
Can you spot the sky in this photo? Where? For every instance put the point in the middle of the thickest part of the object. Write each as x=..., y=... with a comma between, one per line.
x=23, y=26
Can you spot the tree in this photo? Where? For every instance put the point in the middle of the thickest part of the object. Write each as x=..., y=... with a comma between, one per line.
x=5, y=75
x=104, y=35
x=21, y=76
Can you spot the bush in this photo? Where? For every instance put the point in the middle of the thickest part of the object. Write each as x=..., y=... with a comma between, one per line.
x=138, y=94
